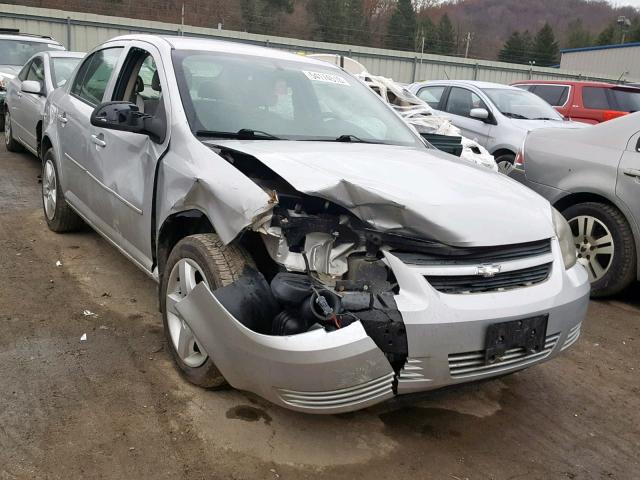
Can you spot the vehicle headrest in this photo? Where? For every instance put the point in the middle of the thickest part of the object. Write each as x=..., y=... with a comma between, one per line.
x=139, y=85
x=155, y=82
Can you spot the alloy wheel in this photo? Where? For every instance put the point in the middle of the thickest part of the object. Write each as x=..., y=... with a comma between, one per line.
x=184, y=276
x=594, y=244
x=49, y=189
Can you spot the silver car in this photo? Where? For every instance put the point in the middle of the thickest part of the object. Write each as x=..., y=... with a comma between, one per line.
x=593, y=177
x=27, y=94
x=309, y=246
x=497, y=116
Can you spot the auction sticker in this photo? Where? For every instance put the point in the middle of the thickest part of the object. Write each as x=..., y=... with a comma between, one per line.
x=325, y=77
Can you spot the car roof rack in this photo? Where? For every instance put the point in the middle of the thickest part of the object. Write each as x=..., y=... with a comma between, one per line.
x=16, y=31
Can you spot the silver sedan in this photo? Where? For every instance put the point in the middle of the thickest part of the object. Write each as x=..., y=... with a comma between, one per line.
x=27, y=93
x=593, y=176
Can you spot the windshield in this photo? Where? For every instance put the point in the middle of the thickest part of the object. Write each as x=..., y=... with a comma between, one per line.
x=17, y=52
x=62, y=68
x=520, y=104
x=282, y=98
x=627, y=100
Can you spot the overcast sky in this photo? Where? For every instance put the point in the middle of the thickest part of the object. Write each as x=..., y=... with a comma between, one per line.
x=622, y=3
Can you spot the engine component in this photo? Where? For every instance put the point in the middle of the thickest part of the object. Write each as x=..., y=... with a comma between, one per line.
x=287, y=323
x=291, y=289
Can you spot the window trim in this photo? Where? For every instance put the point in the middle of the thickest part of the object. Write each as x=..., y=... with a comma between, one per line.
x=79, y=70
x=570, y=87
x=445, y=88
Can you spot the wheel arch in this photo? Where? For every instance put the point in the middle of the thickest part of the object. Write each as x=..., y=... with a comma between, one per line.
x=176, y=227
x=45, y=145
x=39, y=139
x=575, y=198
x=503, y=151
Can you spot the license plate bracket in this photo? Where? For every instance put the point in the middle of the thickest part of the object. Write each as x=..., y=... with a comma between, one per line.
x=528, y=333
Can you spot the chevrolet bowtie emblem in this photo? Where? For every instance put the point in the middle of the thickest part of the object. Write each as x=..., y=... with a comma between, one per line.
x=488, y=270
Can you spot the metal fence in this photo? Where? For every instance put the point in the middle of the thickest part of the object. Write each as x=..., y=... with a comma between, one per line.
x=80, y=31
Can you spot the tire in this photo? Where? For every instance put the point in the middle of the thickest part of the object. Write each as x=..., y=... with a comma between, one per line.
x=216, y=264
x=505, y=162
x=10, y=142
x=59, y=215
x=603, y=238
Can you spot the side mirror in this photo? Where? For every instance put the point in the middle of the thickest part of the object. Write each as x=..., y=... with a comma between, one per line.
x=31, y=86
x=479, y=113
x=126, y=117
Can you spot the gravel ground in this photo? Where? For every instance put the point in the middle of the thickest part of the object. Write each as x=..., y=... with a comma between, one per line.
x=113, y=406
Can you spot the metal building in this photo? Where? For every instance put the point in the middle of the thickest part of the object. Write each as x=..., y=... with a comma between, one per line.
x=617, y=61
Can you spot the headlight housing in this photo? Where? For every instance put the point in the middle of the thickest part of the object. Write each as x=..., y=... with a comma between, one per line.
x=565, y=239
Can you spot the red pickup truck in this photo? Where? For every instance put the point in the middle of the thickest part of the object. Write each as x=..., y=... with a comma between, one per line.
x=588, y=102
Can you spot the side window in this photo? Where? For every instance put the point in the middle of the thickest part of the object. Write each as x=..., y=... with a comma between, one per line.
x=36, y=71
x=555, y=95
x=94, y=74
x=22, y=76
x=595, y=97
x=139, y=83
x=431, y=95
x=461, y=101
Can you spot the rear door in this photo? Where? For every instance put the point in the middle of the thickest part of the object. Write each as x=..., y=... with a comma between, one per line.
x=74, y=111
x=457, y=107
x=14, y=101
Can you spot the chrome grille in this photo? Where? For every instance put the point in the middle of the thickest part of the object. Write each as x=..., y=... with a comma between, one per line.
x=471, y=364
x=365, y=393
x=572, y=336
x=499, y=282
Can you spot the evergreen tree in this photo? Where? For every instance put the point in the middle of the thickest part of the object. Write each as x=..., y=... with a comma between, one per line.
x=513, y=49
x=545, y=51
x=607, y=36
x=401, y=31
x=428, y=31
x=577, y=35
x=260, y=16
x=446, y=36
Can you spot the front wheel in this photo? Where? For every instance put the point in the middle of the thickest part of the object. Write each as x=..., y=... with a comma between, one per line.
x=201, y=258
x=505, y=162
x=605, y=246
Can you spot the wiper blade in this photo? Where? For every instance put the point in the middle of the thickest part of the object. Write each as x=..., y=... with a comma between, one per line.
x=353, y=138
x=545, y=118
x=515, y=115
x=242, y=134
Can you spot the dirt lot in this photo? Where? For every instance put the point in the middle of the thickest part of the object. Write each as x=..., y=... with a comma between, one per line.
x=113, y=406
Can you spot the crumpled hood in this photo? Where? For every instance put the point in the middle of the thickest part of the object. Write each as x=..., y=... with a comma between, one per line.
x=422, y=193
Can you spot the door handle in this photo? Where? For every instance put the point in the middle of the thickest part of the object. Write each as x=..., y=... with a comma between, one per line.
x=98, y=141
x=62, y=118
x=631, y=172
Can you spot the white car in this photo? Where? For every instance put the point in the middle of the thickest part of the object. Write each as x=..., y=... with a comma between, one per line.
x=309, y=246
x=27, y=94
x=497, y=116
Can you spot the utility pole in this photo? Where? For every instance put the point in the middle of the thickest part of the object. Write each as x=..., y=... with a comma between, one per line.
x=182, y=20
x=468, y=41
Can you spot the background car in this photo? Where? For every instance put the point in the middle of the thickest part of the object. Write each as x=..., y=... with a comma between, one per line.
x=593, y=177
x=497, y=116
x=27, y=94
x=588, y=102
x=15, y=49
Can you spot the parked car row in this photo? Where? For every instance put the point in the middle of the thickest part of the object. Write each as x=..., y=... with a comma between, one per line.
x=309, y=245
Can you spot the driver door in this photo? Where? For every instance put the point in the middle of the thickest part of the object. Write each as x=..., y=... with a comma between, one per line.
x=124, y=163
x=458, y=106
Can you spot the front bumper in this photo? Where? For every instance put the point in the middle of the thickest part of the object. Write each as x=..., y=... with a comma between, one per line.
x=340, y=371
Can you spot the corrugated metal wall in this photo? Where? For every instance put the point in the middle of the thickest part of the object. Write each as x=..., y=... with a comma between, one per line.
x=79, y=31
x=618, y=61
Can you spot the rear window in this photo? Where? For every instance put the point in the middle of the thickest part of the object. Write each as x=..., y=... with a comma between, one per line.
x=626, y=100
x=17, y=52
x=555, y=95
x=595, y=97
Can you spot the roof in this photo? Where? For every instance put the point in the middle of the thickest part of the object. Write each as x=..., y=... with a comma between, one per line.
x=25, y=37
x=600, y=47
x=565, y=82
x=472, y=83
x=63, y=54
x=223, y=46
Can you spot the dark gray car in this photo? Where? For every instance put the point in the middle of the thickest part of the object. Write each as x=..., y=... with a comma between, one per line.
x=592, y=176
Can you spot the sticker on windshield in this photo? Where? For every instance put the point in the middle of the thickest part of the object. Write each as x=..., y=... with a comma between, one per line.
x=326, y=77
